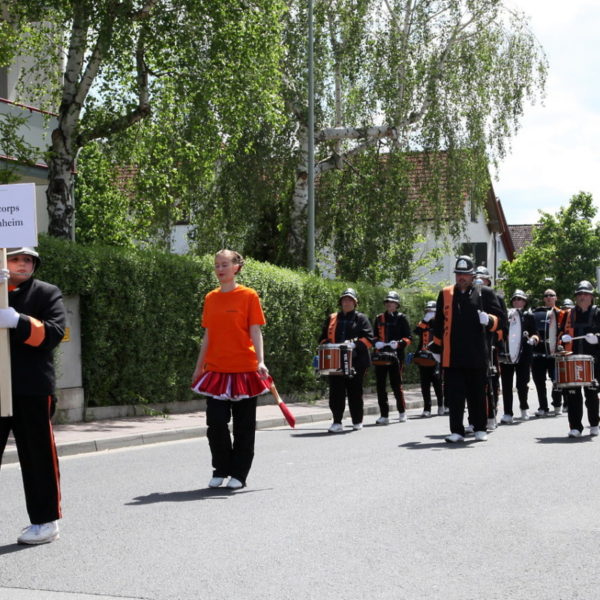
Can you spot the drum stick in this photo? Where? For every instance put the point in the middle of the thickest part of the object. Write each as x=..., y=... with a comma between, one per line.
x=289, y=417
x=580, y=337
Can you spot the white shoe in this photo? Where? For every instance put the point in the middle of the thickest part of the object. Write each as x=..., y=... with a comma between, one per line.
x=357, y=426
x=481, y=436
x=558, y=410
x=524, y=415
x=336, y=428
x=402, y=417
x=441, y=411
x=594, y=430
x=574, y=433
x=491, y=424
x=542, y=413
x=446, y=410
x=39, y=534
x=426, y=413
x=382, y=421
x=235, y=484
x=453, y=438
x=469, y=429
x=506, y=419
x=216, y=482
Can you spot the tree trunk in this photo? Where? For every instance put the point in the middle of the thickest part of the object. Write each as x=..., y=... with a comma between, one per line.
x=60, y=185
x=298, y=222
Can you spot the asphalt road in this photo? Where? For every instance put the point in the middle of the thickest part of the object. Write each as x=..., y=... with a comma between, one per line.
x=386, y=512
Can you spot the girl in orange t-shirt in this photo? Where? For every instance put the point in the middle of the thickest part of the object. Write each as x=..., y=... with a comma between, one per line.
x=231, y=371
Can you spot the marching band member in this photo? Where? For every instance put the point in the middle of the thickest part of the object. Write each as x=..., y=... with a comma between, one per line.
x=495, y=340
x=352, y=327
x=230, y=370
x=464, y=313
x=542, y=362
x=522, y=366
x=429, y=376
x=392, y=330
x=567, y=303
x=36, y=318
x=582, y=321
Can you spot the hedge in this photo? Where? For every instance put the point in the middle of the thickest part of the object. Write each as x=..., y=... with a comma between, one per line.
x=140, y=318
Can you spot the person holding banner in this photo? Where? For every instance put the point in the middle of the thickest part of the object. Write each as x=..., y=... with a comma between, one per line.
x=36, y=319
x=231, y=371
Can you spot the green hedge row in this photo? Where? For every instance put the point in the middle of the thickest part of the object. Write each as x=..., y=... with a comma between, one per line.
x=140, y=318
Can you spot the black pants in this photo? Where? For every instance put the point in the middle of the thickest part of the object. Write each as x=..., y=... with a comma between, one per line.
x=339, y=388
x=507, y=373
x=394, y=372
x=462, y=384
x=431, y=376
x=231, y=458
x=574, y=400
x=540, y=366
x=36, y=448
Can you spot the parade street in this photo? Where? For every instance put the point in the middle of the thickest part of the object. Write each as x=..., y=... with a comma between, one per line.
x=386, y=512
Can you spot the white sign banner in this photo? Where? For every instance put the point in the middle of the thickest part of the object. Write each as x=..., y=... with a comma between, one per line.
x=18, y=226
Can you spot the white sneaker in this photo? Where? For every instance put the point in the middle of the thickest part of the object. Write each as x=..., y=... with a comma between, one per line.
x=441, y=411
x=426, y=413
x=574, y=433
x=541, y=412
x=481, y=436
x=594, y=430
x=39, y=534
x=446, y=410
x=524, y=415
x=216, y=482
x=402, y=417
x=469, y=429
x=558, y=410
x=491, y=424
x=336, y=428
x=235, y=484
x=382, y=421
x=506, y=419
x=357, y=426
x=453, y=438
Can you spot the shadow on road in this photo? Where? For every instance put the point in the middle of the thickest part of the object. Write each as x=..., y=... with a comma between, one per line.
x=189, y=496
x=439, y=443
x=563, y=439
x=10, y=548
x=320, y=433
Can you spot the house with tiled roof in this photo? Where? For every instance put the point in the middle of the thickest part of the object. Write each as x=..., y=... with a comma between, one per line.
x=522, y=235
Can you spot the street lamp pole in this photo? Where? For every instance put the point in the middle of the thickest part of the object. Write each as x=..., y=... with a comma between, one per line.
x=310, y=242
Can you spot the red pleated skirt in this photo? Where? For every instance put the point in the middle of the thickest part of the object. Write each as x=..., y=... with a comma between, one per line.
x=232, y=386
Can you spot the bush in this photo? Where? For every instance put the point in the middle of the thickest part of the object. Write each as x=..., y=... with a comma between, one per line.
x=140, y=318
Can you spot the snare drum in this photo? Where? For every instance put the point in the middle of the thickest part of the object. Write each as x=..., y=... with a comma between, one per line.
x=384, y=358
x=574, y=370
x=335, y=359
x=424, y=358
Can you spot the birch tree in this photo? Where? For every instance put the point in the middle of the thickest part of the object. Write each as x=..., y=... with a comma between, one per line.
x=398, y=76
x=103, y=65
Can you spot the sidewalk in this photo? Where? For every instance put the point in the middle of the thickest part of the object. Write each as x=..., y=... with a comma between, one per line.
x=95, y=436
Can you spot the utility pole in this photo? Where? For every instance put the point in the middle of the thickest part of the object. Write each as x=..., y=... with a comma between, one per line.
x=310, y=241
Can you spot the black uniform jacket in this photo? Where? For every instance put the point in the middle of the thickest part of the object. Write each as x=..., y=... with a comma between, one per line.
x=393, y=326
x=353, y=326
x=576, y=323
x=458, y=335
x=40, y=329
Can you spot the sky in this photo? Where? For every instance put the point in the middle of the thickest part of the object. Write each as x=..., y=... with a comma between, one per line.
x=556, y=153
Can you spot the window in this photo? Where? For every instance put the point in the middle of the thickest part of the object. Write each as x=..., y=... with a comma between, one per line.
x=477, y=250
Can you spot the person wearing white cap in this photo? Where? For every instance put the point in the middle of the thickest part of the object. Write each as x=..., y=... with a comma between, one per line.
x=36, y=319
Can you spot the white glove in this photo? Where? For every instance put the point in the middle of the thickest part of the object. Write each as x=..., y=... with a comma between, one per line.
x=484, y=318
x=591, y=338
x=394, y=345
x=351, y=345
x=4, y=275
x=379, y=345
x=428, y=316
x=566, y=338
x=9, y=317
x=532, y=341
x=437, y=357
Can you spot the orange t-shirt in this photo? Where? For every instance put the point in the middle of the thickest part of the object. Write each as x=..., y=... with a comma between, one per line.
x=227, y=316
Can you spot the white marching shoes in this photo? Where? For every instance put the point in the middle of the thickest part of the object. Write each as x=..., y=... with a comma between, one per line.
x=39, y=534
x=336, y=428
x=574, y=433
x=524, y=415
x=235, y=484
x=594, y=430
x=481, y=436
x=382, y=421
x=506, y=419
x=454, y=438
x=216, y=482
